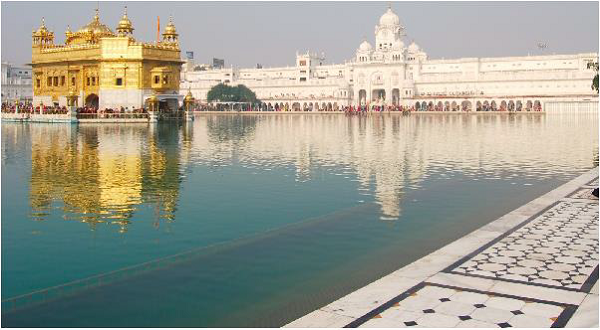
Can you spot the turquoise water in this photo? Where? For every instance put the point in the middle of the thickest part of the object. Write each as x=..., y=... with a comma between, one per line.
x=254, y=220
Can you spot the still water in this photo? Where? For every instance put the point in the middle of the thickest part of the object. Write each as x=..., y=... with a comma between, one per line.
x=254, y=220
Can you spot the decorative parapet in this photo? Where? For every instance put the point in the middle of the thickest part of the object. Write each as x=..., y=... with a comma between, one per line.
x=159, y=46
x=64, y=48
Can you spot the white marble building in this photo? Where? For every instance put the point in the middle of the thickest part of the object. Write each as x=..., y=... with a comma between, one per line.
x=16, y=83
x=391, y=73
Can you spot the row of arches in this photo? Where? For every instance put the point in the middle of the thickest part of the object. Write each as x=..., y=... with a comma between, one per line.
x=379, y=96
x=486, y=105
x=306, y=106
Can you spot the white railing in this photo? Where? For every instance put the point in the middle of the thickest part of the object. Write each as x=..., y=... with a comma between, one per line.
x=568, y=107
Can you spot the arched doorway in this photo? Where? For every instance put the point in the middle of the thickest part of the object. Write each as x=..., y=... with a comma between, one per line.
x=529, y=105
x=92, y=101
x=395, y=97
x=519, y=105
x=362, y=97
x=466, y=105
x=511, y=105
x=503, y=105
x=378, y=96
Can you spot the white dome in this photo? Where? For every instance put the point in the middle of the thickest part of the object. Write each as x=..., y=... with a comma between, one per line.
x=413, y=48
x=365, y=46
x=389, y=19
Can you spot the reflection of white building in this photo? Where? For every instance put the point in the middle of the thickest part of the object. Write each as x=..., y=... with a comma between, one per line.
x=16, y=83
x=386, y=155
x=392, y=73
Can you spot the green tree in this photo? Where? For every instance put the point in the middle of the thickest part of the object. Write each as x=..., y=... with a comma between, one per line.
x=594, y=66
x=226, y=93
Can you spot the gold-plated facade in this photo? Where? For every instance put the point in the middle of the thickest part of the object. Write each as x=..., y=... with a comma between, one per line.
x=105, y=69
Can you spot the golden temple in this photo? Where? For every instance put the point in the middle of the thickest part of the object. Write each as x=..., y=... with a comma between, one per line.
x=106, y=69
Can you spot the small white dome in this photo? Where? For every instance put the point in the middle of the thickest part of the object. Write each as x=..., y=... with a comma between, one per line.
x=389, y=18
x=365, y=46
x=413, y=47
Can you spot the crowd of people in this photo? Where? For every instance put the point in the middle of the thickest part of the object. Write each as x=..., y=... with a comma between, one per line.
x=55, y=109
x=110, y=112
x=29, y=108
x=90, y=111
x=371, y=108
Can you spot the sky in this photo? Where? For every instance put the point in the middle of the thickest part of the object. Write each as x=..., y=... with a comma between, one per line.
x=270, y=33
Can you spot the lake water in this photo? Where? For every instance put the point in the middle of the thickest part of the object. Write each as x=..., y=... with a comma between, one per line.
x=254, y=220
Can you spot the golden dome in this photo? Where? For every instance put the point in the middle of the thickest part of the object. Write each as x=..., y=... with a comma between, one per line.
x=125, y=24
x=153, y=98
x=96, y=28
x=42, y=29
x=170, y=29
x=189, y=97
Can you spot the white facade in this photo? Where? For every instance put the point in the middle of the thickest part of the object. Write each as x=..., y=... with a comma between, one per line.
x=16, y=83
x=391, y=73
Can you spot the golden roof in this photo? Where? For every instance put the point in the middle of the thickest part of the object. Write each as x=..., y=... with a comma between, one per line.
x=189, y=97
x=125, y=23
x=170, y=29
x=153, y=98
x=96, y=28
x=42, y=30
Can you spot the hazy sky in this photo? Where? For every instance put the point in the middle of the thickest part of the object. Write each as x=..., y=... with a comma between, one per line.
x=270, y=33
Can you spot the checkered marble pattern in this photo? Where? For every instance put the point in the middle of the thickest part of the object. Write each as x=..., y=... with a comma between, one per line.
x=559, y=248
x=585, y=193
x=437, y=306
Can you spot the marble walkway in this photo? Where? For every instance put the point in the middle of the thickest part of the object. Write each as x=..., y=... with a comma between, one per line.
x=535, y=267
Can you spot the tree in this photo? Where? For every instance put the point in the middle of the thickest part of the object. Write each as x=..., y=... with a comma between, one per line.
x=225, y=93
x=594, y=66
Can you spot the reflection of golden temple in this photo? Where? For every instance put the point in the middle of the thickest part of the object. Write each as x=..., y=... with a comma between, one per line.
x=100, y=175
x=105, y=69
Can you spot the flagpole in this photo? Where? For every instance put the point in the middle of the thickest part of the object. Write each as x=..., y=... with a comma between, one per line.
x=157, y=29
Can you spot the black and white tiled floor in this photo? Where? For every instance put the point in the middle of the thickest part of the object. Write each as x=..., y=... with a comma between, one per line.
x=556, y=249
x=431, y=305
x=585, y=193
x=559, y=248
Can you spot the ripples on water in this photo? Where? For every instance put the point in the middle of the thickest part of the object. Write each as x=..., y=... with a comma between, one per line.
x=223, y=177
